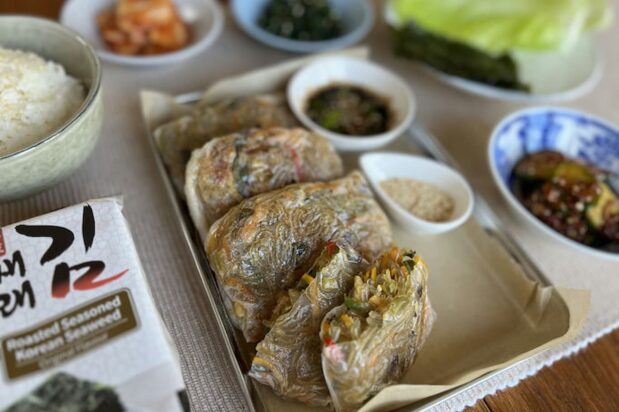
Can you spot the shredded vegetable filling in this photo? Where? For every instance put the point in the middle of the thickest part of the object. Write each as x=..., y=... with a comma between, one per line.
x=287, y=299
x=373, y=297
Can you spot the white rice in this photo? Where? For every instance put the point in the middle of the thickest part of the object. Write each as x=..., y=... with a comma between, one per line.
x=36, y=98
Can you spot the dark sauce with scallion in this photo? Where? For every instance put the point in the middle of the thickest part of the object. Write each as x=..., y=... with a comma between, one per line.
x=349, y=110
x=306, y=20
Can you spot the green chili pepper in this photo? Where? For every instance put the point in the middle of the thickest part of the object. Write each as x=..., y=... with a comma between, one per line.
x=357, y=305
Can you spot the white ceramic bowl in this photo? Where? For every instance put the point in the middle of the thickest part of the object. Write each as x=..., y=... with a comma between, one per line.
x=370, y=76
x=204, y=18
x=357, y=19
x=59, y=154
x=573, y=133
x=383, y=165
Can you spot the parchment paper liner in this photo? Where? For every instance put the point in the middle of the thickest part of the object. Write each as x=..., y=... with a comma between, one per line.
x=490, y=315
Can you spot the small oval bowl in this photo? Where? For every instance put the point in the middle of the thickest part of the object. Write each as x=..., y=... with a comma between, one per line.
x=357, y=19
x=384, y=165
x=359, y=72
x=204, y=17
x=58, y=155
x=575, y=134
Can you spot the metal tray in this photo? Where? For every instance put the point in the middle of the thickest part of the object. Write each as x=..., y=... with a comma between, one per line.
x=237, y=349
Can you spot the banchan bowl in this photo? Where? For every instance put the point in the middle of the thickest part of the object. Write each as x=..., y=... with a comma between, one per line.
x=357, y=17
x=573, y=133
x=59, y=154
x=204, y=18
x=379, y=166
x=357, y=72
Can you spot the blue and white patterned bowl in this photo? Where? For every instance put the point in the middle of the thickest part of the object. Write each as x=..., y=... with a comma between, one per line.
x=575, y=134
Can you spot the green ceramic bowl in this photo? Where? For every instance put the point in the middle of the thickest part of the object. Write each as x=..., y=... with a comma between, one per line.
x=58, y=155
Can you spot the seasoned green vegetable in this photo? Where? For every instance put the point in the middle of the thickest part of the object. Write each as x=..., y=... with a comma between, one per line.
x=349, y=110
x=606, y=204
x=456, y=58
x=542, y=166
x=571, y=171
x=307, y=20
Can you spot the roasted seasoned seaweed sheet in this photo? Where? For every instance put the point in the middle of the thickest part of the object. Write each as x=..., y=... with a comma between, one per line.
x=66, y=393
x=263, y=245
x=372, y=340
x=178, y=138
x=288, y=359
x=231, y=168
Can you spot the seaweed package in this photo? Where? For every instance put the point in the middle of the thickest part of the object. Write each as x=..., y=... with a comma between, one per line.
x=288, y=359
x=371, y=340
x=79, y=330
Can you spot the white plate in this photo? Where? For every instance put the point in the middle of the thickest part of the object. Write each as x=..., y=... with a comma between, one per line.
x=204, y=18
x=553, y=77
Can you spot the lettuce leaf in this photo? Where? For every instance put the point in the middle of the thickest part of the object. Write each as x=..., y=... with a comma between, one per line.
x=499, y=26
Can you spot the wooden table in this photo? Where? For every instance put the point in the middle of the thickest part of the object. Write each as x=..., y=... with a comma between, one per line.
x=587, y=381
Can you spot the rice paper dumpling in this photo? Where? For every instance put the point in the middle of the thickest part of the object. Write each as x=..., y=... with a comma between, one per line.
x=231, y=168
x=372, y=339
x=264, y=244
x=178, y=138
x=288, y=359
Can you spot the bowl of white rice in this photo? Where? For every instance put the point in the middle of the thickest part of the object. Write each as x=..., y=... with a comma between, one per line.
x=51, y=109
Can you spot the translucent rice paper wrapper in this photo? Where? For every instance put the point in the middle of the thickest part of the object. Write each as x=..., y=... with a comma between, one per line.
x=357, y=369
x=288, y=359
x=263, y=245
x=234, y=167
x=179, y=137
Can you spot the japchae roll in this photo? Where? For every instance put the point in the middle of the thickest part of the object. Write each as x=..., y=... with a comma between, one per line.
x=231, y=168
x=372, y=339
x=288, y=359
x=263, y=245
x=178, y=138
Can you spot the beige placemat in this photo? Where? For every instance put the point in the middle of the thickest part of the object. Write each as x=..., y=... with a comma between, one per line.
x=122, y=164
